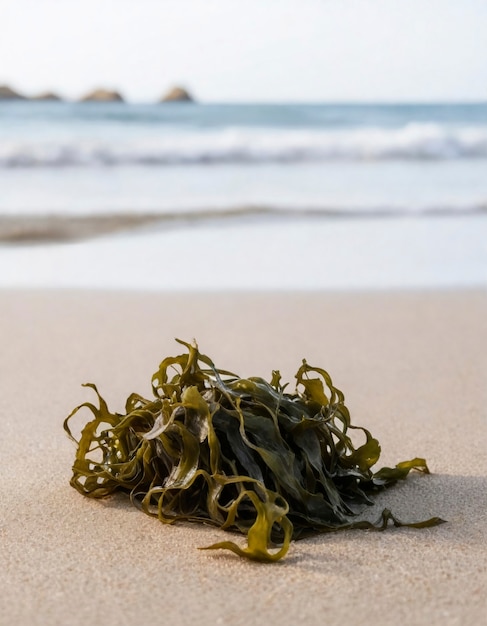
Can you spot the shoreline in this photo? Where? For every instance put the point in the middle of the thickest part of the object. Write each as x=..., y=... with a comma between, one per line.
x=255, y=252
x=411, y=365
x=55, y=228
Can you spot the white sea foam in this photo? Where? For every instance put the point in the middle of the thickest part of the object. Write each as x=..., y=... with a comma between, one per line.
x=413, y=141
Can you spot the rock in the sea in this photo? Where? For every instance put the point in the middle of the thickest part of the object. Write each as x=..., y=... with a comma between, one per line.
x=177, y=94
x=102, y=95
x=6, y=93
x=47, y=96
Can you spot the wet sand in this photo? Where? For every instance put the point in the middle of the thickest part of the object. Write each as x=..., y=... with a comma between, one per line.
x=50, y=228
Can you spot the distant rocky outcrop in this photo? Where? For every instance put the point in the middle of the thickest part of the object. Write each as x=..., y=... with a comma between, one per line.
x=47, y=96
x=102, y=95
x=6, y=93
x=177, y=94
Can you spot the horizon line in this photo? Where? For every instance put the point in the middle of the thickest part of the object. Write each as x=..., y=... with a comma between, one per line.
x=338, y=101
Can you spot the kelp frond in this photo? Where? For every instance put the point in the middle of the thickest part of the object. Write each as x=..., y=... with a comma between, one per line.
x=239, y=453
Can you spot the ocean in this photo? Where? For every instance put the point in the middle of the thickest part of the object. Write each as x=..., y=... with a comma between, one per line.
x=273, y=189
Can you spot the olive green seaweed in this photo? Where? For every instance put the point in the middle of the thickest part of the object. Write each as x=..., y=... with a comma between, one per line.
x=241, y=454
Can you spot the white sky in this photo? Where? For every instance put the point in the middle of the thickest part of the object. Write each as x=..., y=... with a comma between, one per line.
x=249, y=50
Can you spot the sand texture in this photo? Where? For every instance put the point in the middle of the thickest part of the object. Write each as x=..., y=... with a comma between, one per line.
x=413, y=368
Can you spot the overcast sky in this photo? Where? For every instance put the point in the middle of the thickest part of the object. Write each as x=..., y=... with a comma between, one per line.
x=249, y=50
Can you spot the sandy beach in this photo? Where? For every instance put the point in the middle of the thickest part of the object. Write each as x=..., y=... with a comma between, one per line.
x=412, y=366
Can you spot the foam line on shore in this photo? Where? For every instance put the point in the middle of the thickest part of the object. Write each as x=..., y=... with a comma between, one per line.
x=52, y=227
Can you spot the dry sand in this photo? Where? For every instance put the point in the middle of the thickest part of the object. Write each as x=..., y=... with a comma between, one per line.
x=413, y=368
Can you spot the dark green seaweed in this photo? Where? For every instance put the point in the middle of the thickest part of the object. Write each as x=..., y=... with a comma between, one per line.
x=242, y=454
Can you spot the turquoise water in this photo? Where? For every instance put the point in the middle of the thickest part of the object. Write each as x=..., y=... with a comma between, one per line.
x=307, y=165
x=201, y=116
x=112, y=134
x=91, y=157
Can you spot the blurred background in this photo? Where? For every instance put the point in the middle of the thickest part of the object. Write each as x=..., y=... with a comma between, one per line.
x=291, y=144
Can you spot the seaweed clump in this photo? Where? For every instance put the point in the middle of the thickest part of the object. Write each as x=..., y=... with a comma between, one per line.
x=238, y=453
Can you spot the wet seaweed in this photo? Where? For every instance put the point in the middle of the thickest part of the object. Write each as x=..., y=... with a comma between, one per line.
x=242, y=454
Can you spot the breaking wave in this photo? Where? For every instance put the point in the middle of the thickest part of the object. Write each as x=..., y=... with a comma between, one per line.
x=414, y=141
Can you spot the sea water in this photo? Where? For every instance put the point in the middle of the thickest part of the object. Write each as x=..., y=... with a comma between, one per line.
x=351, y=187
